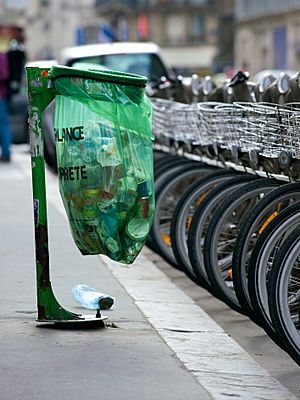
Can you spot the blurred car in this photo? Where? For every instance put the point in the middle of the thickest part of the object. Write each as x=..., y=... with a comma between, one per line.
x=18, y=106
x=133, y=57
x=143, y=58
x=139, y=58
x=18, y=115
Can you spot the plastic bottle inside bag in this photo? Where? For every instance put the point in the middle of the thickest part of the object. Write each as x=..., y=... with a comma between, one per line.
x=138, y=227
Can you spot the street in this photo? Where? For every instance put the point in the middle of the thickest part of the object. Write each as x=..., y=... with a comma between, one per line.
x=166, y=338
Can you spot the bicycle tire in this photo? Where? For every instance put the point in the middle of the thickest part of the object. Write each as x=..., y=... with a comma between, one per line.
x=176, y=165
x=164, y=175
x=286, y=263
x=200, y=221
x=163, y=160
x=159, y=155
x=226, y=223
x=169, y=163
x=166, y=198
x=183, y=213
x=254, y=223
x=168, y=160
x=260, y=265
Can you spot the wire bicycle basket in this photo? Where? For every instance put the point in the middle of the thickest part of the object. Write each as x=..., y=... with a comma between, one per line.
x=256, y=134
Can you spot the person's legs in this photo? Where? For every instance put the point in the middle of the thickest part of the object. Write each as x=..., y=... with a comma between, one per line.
x=5, y=131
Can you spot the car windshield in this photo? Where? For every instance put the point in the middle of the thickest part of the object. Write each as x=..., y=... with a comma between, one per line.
x=145, y=64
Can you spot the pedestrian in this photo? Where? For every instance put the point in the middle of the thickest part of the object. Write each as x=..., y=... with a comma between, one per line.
x=16, y=57
x=5, y=131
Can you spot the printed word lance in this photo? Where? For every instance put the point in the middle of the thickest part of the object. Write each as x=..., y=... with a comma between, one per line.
x=69, y=134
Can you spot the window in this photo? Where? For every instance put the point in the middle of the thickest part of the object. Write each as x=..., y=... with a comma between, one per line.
x=198, y=27
x=175, y=29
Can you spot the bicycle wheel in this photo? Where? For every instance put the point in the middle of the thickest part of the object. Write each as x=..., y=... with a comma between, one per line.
x=222, y=233
x=160, y=155
x=255, y=222
x=166, y=198
x=260, y=264
x=183, y=213
x=164, y=175
x=168, y=163
x=161, y=159
x=201, y=220
x=284, y=286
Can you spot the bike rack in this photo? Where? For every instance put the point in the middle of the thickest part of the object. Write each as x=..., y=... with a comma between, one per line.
x=40, y=95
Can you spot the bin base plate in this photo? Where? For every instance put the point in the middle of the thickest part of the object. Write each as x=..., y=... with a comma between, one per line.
x=87, y=319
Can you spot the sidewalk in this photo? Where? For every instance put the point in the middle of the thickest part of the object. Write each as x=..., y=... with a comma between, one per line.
x=158, y=343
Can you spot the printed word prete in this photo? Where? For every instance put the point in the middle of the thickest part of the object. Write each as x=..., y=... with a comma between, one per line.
x=72, y=173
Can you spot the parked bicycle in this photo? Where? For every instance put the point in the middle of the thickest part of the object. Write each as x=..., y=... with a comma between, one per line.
x=228, y=197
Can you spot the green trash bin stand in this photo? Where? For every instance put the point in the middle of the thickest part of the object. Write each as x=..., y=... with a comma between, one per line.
x=43, y=86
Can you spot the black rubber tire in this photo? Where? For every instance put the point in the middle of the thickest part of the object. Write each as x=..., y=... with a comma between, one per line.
x=279, y=285
x=167, y=165
x=184, y=211
x=162, y=172
x=165, y=174
x=201, y=218
x=212, y=241
x=160, y=155
x=162, y=163
x=242, y=245
x=267, y=241
x=165, y=205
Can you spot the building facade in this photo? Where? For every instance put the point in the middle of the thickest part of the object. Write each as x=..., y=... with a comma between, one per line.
x=49, y=25
x=194, y=35
x=267, y=34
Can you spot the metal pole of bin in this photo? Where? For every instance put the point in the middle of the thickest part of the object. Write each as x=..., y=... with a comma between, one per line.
x=40, y=95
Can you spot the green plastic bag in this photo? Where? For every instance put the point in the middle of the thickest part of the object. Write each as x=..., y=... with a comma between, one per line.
x=105, y=159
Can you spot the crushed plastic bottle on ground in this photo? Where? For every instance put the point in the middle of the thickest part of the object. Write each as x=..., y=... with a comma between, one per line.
x=91, y=298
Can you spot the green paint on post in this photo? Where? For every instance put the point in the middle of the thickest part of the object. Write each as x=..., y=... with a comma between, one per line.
x=40, y=94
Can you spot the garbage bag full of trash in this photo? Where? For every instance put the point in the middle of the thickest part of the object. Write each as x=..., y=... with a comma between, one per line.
x=105, y=159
